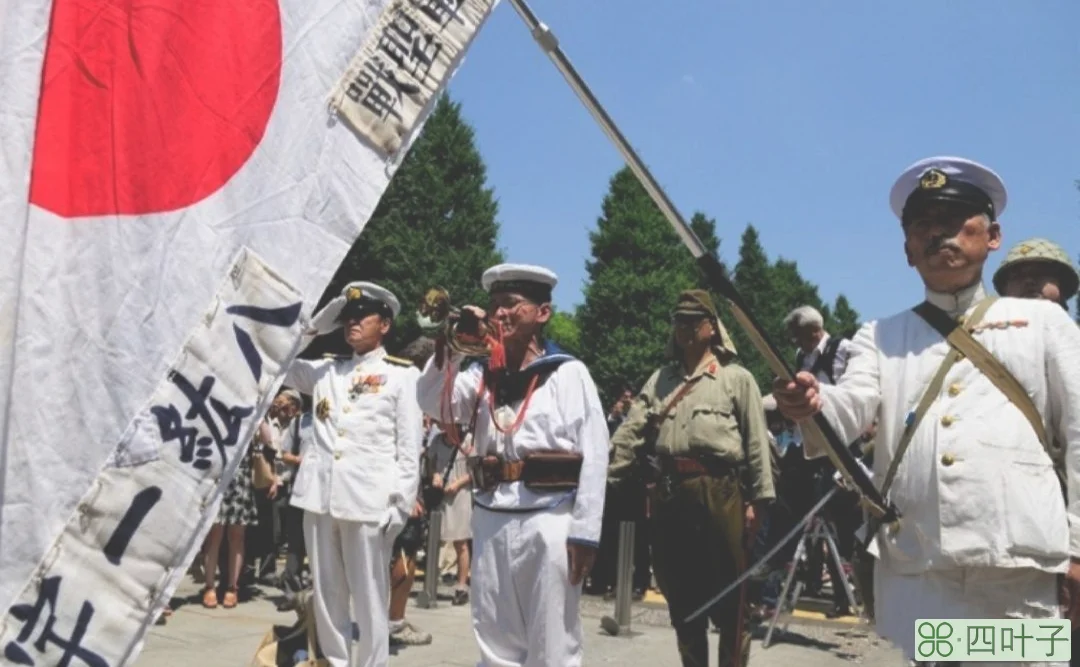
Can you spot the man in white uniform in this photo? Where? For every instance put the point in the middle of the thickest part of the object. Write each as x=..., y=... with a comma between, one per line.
x=539, y=472
x=358, y=480
x=985, y=531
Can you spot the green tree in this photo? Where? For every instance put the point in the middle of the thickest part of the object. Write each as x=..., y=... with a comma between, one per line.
x=435, y=225
x=637, y=270
x=563, y=330
x=845, y=321
x=771, y=291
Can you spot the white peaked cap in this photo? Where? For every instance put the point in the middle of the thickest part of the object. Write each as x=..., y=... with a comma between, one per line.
x=326, y=320
x=504, y=276
x=948, y=178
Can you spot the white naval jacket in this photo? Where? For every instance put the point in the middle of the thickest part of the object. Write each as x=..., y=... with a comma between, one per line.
x=564, y=415
x=365, y=458
x=976, y=488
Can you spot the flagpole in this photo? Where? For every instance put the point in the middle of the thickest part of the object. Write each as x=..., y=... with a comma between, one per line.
x=818, y=430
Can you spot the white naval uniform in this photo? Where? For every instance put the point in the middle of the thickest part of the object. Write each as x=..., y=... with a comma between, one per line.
x=525, y=612
x=985, y=529
x=357, y=486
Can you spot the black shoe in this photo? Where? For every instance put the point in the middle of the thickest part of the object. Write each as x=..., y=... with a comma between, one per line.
x=838, y=611
x=461, y=597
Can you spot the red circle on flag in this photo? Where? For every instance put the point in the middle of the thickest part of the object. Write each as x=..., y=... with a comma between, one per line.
x=151, y=105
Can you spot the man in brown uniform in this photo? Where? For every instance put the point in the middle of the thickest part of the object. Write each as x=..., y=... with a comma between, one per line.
x=704, y=414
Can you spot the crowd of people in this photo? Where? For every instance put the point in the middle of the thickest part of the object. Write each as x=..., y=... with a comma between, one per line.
x=533, y=477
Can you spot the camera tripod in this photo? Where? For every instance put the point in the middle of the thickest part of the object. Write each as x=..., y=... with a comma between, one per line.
x=816, y=532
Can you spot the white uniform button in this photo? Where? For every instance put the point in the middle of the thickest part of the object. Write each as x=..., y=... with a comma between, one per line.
x=341, y=431
x=337, y=456
x=346, y=409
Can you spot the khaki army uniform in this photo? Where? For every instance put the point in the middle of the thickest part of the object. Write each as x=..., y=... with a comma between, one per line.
x=715, y=457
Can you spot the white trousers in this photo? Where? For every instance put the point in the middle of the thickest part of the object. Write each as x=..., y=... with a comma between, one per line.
x=350, y=561
x=963, y=594
x=525, y=612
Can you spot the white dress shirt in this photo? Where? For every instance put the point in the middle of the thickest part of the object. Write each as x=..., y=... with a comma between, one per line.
x=365, y=457
x=975, y=487
x=564, y=415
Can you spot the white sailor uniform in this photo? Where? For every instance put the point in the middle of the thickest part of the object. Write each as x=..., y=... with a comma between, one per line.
x=525, y=612
x=357, y=485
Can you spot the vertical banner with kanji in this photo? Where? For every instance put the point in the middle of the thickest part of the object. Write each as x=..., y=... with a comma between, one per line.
x=178, y=183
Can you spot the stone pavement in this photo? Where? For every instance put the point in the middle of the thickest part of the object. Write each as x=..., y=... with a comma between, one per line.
x=228, y=638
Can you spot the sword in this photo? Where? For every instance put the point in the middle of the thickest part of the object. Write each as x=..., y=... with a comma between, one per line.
x=756, y=567
x=818, y=430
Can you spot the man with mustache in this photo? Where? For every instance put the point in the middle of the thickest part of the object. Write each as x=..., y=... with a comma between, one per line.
x=539, y=471
x=358, y=480
x=1038, y=269
x=985, y=531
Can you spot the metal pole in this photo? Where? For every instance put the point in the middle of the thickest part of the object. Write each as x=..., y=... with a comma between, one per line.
x=620, y=624
x=817, y=430
x=428, y=598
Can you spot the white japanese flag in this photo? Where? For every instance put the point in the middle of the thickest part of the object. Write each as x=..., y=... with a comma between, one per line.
x=179, y=179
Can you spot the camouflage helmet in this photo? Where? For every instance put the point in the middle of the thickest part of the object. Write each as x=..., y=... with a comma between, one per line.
x=1047, y=252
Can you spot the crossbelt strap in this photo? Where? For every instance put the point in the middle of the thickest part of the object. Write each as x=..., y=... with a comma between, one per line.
x=964, y=344
x=933, y=389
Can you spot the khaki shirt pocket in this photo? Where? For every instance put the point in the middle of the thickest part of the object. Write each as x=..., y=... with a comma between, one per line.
x=713, y=428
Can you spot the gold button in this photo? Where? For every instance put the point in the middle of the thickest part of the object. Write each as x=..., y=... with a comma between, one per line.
x=341, y=431
x=337, y=456
x=346, y=409
x=954, y=390
x=947, y=421
x=947, y=459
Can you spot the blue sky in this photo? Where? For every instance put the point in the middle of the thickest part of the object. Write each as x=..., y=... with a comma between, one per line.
x=793, y=115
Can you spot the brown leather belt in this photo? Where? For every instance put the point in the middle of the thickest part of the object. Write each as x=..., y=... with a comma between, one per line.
x=692, y=465
x=554, y=471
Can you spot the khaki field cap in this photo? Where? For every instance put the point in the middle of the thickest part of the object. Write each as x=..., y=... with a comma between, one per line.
x=699, y=302
x=1044, y=252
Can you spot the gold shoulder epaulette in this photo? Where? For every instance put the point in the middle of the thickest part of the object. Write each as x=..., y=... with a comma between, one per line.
x=397, y=361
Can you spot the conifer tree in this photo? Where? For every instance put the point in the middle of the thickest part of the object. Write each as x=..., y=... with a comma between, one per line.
x=435, y=225
x=637, y=270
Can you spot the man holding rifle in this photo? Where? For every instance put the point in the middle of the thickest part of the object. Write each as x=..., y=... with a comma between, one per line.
x=698, y=430
x=978, y=401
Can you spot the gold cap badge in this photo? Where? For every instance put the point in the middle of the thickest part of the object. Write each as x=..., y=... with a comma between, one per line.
x=353, y=293
x=933, y=179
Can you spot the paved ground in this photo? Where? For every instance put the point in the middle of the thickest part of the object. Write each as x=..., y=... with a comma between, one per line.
x=229, y=637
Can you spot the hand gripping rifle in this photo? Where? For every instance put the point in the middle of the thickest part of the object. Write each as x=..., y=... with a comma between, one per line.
x=818, y=430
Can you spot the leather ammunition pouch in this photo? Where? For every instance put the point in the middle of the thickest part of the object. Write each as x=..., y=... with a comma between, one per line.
x=549, y=471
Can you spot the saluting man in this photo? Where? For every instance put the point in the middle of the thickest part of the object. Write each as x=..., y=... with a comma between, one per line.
x=716, y=466
x=984, y=531
x=358, y=481
x=539, y=471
